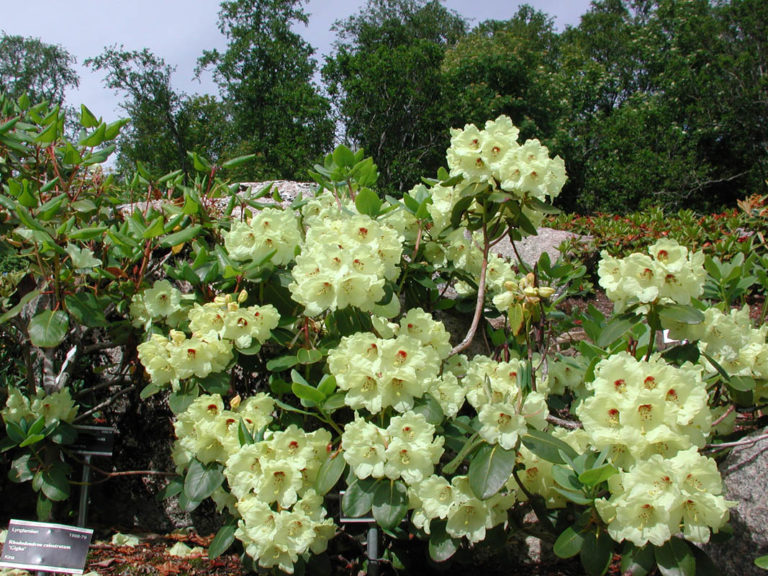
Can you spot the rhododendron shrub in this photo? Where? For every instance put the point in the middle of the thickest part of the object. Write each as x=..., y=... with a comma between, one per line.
x=303, y=351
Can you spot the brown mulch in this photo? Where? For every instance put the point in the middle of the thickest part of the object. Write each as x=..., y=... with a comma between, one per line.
x=151, y=557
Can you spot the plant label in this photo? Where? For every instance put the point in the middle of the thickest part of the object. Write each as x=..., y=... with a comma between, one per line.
x=94, y=441
x=45, y=547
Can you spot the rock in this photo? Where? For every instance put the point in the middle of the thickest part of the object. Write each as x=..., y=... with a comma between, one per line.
x=744, y=477
x=531, y=248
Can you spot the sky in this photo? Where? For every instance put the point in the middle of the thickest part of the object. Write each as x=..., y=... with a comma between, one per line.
x=179, y=31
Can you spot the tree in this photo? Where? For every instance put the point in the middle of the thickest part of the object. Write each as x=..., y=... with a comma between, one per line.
x=29, y=66
x=265, y=79
x=387, y=86
x=507, y=67
x=667, y=104
x=164, y=125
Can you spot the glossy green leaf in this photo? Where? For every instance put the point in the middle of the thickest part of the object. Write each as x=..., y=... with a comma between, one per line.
x=637, y=561
x=202, y=480
x=224, y=538
x=329, y=473
x=48, y=329
x=95, y=138
x=368, y=202
x=680, y=313
x=44, y=508
x=596, y=552
x=546, y=446
x=614, y=330
x=182, y=236
x=358, y=497
x=307, y=392
x=16, y=310
x=308, y=355
x=675, y=558
x=762, y=562
x=86, y=309
x=569, y=543
x=441, y=545
x=237, y=161
x=87, y=119
x=390, y=503
x=594, y=476
x=21, y=469
x=489, y=469
x=55, y=484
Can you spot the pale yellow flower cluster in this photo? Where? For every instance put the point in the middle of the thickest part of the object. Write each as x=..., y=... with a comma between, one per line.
x=668, y=273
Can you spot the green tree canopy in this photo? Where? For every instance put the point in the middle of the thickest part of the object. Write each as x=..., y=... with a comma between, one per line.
x=164, y=124
x=386, y=82
x=265, y=78
x=29, y=66
x=507, y=67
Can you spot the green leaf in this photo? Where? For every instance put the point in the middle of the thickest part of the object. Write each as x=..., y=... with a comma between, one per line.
x=43, y=508
x=430, y=408
x=637, y=561
x=368, y=202
x=181, y=236
x=237, y=161
x=441, y=545
x=762, y=562
x=31, y=439
x=308, y=356
x=216, y=383
x=16, y=310
x=96, y=137
x=48, y=329
x=86, y=309
x=173, y=488
x=243, y=434
x=680, y=313
x=674, y=558
x=15, y=432
x=200, y=164
x=594, y=476
x=307, y=392
x=64, y=434
x=489, y=469
x=343, y=156
x=614, y=330
x=87, y=119
x=329, y=473
x=87, y=233
x=282, y=363
x=327, y=385
x=546, y=446
x=149, y=390
x=569, y=543
x=224, y=538
x=21, y=470
x=202, y=480
x=390, y=503
x=49, y=134
x=596, y=553
x=180, y=401
x=358, y=497
x=55, y=483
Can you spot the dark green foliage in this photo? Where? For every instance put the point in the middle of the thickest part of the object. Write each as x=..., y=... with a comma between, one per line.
x=265, y=78
x=41, y=71
x=164, y=125
x=386, y=82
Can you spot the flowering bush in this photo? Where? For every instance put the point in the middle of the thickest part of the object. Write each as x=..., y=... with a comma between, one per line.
x=303, y=353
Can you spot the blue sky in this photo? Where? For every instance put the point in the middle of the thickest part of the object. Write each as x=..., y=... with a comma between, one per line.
x=179, y=31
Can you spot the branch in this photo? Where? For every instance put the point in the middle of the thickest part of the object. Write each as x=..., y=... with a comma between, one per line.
x=480, y=300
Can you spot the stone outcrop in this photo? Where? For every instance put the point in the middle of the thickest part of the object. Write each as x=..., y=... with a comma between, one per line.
x=745, y=477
